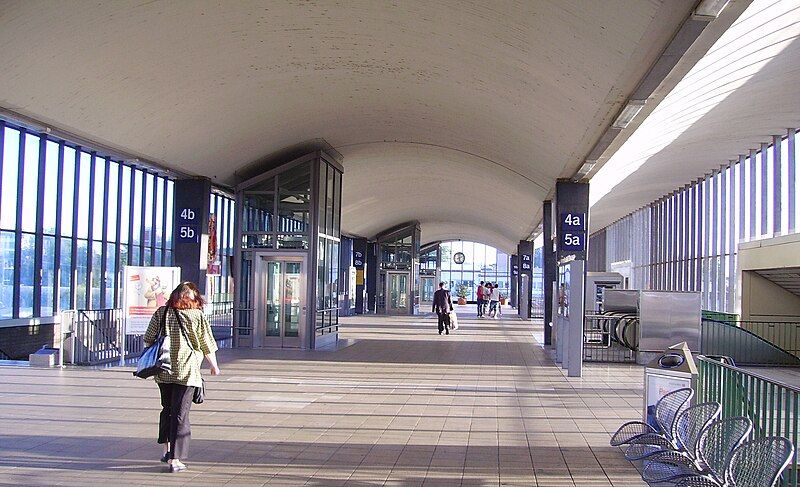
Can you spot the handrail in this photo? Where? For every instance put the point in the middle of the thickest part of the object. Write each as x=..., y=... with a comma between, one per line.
x=773, y=406
x=746, y=347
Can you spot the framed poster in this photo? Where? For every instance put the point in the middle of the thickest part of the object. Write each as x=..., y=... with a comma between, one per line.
x=146, y=289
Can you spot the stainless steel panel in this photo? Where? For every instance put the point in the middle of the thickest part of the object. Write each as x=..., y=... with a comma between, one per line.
x=621, y=300
x=667, y=318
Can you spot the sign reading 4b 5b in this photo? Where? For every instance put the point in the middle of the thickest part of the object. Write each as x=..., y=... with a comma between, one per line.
x=188, y=228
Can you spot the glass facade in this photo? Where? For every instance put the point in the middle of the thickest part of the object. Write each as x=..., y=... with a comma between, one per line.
x=329, y=209
x=70, y=219
x=688, y=240
x=481, y=263
x=222, y=211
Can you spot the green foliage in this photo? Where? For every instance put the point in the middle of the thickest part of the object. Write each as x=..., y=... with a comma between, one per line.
x=462, y=291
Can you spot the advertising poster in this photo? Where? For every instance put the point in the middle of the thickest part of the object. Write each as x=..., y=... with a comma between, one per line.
x=146, y=289
x=213, y=268
x=657, y=387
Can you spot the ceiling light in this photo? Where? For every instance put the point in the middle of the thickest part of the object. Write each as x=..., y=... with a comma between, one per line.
x=585, y=169
x=628, y=113
x=709, y=9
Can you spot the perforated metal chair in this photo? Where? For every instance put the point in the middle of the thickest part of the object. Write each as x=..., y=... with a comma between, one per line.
x=703, y=450
x=757, y=463
x=690, y=426
x=666, y=412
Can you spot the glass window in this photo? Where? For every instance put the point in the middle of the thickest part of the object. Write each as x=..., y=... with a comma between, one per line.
x=80, y=271
x=99, y=198
x=336, y=202
x=321, y=198
x=111, y=274
x=258, y=213
x=30, y=183
x=148, y=257
x=133, y=255
x=8, y=196
x=147, y=238
x=136, y=238
x=65, y=274
x=97, y=274
x=125, y=202
x=293, y=242
x=170, y=216
x=329, y=202
x=7, y=252
x=293, y=212
x=68, y=192
x=48, y=274
x=159, y=226
x=26, y=275
x=112, y=201
x=50, y=187
x=83, y=195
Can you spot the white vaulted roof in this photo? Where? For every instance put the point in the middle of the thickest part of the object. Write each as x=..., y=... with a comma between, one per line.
x=458, y=114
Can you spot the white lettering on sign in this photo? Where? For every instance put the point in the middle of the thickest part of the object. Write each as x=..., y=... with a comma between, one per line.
x=188, y=233
x=573, y=220
x=188, y=214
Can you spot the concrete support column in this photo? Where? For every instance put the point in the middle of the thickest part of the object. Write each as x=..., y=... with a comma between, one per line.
x=571, y=226
x=525, y=256
x=514, y=280
x=372, y=275
x=190, y=231
x=359, y=262
x=550, y=270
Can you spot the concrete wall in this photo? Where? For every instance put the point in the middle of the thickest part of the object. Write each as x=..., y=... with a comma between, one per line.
x=759, y=298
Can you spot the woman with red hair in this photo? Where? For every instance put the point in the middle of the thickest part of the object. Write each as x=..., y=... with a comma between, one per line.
x=190, y=338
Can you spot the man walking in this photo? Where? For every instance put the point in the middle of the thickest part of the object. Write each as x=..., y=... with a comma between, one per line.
x=480, y=299
x=441, y=303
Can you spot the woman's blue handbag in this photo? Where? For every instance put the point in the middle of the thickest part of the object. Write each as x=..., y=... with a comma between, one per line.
x=156, y=357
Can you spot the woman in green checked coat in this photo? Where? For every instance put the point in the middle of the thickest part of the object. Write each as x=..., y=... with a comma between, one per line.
x=190, y=339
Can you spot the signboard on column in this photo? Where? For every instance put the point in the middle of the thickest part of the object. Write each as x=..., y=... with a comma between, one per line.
x=359, y=264
x=514, y=279
x=525, y=256
x=194, y=251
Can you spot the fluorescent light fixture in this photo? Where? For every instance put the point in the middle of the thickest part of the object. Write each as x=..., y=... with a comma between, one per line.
x=709, y=9
x=628, y=113
x=584, y=170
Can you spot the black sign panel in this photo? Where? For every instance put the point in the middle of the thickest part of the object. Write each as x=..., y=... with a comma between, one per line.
x=358, y=259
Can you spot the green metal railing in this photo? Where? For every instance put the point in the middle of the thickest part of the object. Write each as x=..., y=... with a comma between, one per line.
x=773, y=407
x=784, y=334
x=744, y=346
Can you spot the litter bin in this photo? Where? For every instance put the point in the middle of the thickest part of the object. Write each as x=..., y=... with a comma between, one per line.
x=674, y=369
x=44, y=357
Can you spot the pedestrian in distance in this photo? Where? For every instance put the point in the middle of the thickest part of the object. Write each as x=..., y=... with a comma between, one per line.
x=480, y=292
x=190, y=339
x=487, y=292
x=494, y=299
x=442, y=305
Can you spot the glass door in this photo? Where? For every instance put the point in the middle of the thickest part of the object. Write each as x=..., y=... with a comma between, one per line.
x=397, y=293
x=427, y=288
x=279, y=304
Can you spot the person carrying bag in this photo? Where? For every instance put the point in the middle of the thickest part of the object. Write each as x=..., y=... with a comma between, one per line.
x=190, y=338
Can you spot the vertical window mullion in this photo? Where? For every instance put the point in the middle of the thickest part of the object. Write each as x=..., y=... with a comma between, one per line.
x=777, y=215
x=707, y=230
x=753, y=194
x=764, y=192
x=132, y=201
x=118, y=239
x=724, y=218
x=153, y=221
x=18, y=226
x=57, y=249
x=39, y=236
x=164, y=223
x=792, y=170
x=732, y=217
x=742, y=202
x=144, y=218
x=73, y=287
x=90, y=231
x=104, y=234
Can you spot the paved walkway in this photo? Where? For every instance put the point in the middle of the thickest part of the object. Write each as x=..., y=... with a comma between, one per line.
x=402, y=406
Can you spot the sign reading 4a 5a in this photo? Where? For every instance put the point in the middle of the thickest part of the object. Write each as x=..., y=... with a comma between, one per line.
x=573, y=222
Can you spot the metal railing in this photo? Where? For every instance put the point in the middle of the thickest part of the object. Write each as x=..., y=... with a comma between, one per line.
x=774, y=407
x=97, y=336
x=220, y=317
x=746, y=347
x=785, y=335
x=600, y=341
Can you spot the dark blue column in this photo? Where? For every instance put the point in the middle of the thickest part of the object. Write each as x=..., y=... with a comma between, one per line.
x=550, y=270
x=191, y=223
x=359, y=262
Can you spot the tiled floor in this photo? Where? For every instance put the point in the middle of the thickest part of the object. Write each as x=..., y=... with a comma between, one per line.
x=402, y=406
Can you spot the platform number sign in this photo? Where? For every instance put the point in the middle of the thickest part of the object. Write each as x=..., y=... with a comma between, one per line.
x=527, y=264
x=358, y=259
x=573, y=232
x=188, y=228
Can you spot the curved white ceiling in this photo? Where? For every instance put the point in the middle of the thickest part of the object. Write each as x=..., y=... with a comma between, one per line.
x=495, y=99
x=740, y=94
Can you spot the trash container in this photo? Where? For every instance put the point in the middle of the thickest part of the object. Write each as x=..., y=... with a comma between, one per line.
x=674, y=369
x=44, y=357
